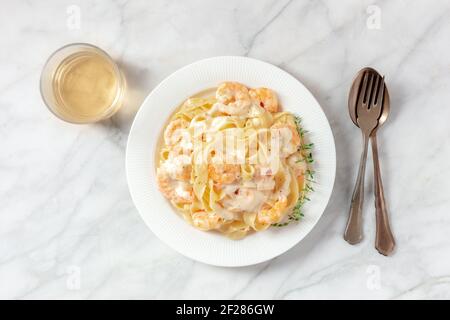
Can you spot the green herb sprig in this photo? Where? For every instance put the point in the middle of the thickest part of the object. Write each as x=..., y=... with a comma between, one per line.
x=306, y=146
x=300, y=130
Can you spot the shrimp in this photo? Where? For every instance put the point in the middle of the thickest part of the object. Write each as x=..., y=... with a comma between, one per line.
x=244, y=199
x=174, y=131
x=265, y=98
x=206, y=221
x=298, y=163
x=233, y=98
x=224, y=173
x=183, y=193
x=164, y=183
x=264, y=178
x=178, y=167
x=176, y=191
x=289, y=138
x=272, y=214
x=182, y=173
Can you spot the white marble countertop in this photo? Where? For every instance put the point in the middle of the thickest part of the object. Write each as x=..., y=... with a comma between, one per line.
x=68, y=227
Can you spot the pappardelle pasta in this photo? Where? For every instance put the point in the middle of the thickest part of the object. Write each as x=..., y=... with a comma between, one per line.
x=234, y=163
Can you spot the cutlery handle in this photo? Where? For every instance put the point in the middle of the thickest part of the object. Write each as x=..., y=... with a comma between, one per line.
x=353, y=230
x=384, y=241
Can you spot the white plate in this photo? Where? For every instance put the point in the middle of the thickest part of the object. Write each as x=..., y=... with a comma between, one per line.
x=210, y=247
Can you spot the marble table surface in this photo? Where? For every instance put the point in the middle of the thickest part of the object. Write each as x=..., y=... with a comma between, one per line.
x=68, y=227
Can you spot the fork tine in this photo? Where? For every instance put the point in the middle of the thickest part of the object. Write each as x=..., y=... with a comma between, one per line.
x=362, y=91
x=380, y=96
x=369, y=89
x=375, y=90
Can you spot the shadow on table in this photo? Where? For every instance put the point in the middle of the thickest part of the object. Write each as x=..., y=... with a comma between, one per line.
x=137, y=89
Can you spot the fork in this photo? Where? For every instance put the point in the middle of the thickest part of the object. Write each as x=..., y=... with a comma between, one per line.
x=368, y=111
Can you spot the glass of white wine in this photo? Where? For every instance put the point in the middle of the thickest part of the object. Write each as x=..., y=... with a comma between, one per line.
x=80, y=83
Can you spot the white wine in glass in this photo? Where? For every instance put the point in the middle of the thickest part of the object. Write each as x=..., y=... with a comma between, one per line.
x=80, y=83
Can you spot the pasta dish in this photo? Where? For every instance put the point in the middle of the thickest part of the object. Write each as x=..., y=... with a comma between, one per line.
x=234, y=162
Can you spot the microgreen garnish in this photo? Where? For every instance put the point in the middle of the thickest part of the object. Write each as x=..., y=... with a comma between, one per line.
x=297, y=211
x=306, y=146
x=298, y=121
x=280, y=224
x=310, y=174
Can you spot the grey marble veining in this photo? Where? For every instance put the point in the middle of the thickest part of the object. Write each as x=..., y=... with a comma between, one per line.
x=68, y=227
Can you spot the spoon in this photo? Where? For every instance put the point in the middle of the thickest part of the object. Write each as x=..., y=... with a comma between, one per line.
x=384, y=241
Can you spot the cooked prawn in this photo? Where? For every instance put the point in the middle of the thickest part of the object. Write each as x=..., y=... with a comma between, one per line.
x=224, y=173
x=206, y=220
x=178, y=167
x=174, y=131
x=298, y=163
x=265, y=98
x=176, y=191
x=289, y=138
x=264, y=178
x=233, y=98
x=272, y=214
x=245, y=199
x=183, y=193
